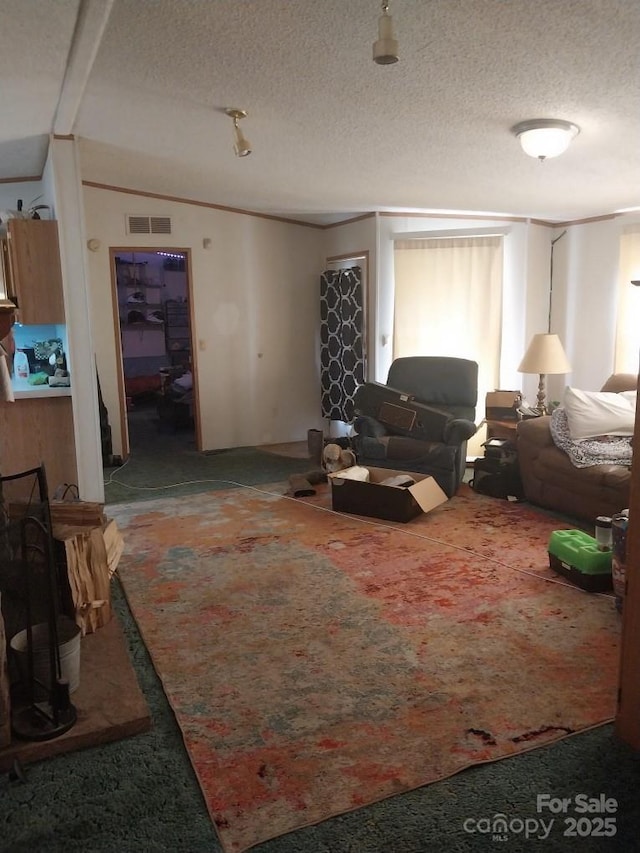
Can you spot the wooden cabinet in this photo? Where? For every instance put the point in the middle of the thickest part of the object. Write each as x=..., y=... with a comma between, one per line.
x=35, y=431
x=6, y=285
x=5, y=302
x=31, y=264
x=36, y=428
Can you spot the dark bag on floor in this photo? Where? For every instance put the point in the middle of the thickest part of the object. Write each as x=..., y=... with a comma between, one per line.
x=497, y=478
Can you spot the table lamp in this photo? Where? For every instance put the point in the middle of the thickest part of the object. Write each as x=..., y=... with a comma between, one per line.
x=545, y=355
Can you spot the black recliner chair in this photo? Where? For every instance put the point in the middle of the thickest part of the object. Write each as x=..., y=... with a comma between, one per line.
x=420, y=420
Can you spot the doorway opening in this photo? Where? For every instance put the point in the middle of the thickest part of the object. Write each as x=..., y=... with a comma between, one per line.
x=157, y=390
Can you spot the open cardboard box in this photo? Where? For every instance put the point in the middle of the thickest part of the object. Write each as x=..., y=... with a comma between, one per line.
x=393, y=503
x=502, y=405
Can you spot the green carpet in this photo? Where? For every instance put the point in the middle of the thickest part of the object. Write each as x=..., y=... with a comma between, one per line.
x=190, y=472
x=140, y=795
x=164, y=462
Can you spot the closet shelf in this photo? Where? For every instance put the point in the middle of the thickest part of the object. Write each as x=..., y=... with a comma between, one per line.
x=177, y=335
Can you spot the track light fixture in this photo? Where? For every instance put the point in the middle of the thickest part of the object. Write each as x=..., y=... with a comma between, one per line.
x=241, y=146
x=545, y=137
x=385, y=49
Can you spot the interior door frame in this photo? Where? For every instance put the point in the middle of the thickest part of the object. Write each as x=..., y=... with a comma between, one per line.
x=122, y=397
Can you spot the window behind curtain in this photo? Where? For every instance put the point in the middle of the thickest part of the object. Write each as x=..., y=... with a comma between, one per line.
x=448, y=302
x=628, y=320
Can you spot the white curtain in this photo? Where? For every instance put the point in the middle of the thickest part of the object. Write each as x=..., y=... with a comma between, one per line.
x=448, y=301
x=628, y=316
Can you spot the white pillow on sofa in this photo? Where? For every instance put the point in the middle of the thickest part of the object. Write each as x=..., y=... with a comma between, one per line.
x=593, y=413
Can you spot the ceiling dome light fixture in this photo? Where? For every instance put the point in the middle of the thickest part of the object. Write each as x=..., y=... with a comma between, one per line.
x=242, y=146
x=385, y=49
x=545, y=137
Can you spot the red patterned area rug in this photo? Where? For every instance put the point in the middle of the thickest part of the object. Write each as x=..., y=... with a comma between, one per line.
x=319, y=662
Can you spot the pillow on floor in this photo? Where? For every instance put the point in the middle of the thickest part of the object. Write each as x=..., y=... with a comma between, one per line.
x=593, y=413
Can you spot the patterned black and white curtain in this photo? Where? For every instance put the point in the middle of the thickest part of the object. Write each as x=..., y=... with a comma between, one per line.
x=342, y=355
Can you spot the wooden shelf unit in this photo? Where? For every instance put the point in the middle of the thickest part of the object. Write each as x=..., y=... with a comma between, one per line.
x=177, y=332
x=39, y=430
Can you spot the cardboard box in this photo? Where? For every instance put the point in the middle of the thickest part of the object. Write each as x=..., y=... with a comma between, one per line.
x=401, y=413
x=502, y=405
x=392, y=503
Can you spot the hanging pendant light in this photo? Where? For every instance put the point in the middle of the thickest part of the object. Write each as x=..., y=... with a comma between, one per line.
x=242, y=146
x=385, y=49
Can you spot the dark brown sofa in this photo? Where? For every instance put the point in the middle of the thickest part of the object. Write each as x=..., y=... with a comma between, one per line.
x=551, y=480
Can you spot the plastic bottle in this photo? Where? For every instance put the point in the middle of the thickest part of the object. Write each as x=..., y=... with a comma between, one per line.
x=620, y=523
x=21, y=365
x=604, y=536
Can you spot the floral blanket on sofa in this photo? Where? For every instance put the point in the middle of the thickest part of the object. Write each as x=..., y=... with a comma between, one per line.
x=602, y=450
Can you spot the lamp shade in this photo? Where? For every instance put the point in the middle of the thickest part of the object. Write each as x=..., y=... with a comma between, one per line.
x=545, y=354
x=385, y=49
x=242, y=146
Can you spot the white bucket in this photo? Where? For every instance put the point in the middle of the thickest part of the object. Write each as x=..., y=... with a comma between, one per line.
x=68, y=644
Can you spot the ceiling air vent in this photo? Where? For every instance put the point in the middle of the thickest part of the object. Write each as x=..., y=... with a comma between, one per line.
x=148, y=224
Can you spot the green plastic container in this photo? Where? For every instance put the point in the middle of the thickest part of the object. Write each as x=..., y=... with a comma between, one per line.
x=575, y=555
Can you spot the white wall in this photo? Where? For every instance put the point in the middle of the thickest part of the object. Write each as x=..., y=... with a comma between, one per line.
x=535, y=253
x=585, y=299
x=256, y=314
x=587, y=281
x=525, y=301
x=62, y=177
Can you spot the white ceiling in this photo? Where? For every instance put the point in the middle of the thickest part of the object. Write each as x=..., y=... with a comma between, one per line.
x=144, y=84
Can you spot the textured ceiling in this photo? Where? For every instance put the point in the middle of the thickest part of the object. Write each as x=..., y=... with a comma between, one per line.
x=332, y=133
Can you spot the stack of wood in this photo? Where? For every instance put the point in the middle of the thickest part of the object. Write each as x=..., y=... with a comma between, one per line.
x=92, y=549
x=75, y=513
